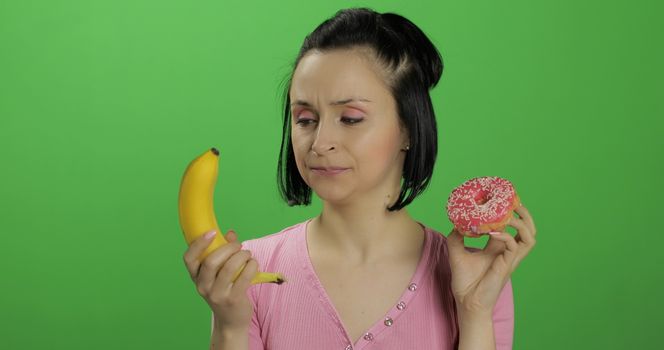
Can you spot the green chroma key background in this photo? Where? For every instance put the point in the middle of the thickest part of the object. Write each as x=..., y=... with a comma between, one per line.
x=103, y=104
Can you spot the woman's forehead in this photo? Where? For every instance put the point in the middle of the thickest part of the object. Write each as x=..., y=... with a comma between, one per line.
x=335, y=76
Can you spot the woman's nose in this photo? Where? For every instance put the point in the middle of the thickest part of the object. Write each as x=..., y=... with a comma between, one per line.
x=325, y=138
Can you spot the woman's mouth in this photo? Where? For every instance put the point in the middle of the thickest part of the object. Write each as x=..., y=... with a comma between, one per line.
x=329, y=172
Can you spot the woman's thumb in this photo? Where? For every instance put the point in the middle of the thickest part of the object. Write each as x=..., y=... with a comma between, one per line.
x=455, y=239
x=231, y=236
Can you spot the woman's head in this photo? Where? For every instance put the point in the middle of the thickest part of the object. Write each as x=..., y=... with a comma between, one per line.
x=385, y=60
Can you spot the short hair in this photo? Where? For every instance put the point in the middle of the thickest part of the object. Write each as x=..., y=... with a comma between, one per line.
x=412, y=65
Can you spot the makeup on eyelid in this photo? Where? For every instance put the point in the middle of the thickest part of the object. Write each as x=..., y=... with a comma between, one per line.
x=351, y=113
x=305, y=106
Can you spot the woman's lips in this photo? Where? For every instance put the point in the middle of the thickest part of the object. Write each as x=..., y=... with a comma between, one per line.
x=328, y=172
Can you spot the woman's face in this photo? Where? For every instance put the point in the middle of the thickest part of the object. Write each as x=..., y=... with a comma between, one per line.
x=344, y=116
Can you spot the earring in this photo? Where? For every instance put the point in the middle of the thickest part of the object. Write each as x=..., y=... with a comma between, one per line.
x=407, y=147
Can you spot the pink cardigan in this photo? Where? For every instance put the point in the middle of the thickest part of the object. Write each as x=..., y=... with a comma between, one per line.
x=299, y=315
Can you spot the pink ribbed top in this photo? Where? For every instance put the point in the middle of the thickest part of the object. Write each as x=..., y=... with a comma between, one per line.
x=299, y=314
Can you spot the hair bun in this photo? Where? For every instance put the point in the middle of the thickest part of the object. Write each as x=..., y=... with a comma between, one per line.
x=428, y=61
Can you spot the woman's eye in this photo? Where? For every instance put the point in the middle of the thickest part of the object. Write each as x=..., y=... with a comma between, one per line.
x=304, y=121
x=346, y=120
x=351, y=120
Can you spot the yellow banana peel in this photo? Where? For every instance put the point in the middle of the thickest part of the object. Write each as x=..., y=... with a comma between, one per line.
x=196, y=209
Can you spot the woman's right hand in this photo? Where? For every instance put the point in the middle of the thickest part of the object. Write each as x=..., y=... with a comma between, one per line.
x=213, y=278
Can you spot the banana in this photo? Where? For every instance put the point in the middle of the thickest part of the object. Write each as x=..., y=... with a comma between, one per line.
x=196, y=209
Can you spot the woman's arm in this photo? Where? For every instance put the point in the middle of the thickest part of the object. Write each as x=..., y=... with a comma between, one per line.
x=225, y=340
x=221, y=340
x=475, y=331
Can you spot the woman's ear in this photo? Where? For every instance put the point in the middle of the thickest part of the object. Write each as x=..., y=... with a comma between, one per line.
x=406, y=142
x=405, y=139
x=405, y=145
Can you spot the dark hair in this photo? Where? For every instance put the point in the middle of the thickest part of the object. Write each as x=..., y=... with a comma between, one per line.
x=413, y=65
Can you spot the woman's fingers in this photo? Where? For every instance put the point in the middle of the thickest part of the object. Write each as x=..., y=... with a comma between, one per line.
x=524, y=238
x=524, y=214
x=512, y=251
x=244, y=280
x=213, y=263
x=227, y=293
x=230, y=268
x=197, y=247
x=455, y=242
x=194, y=251
x=524, y=234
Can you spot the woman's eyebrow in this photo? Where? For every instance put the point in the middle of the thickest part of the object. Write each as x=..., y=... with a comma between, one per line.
x=334, y=103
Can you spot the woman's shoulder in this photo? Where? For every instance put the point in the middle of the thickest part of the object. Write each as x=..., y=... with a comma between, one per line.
x=440, y=240
x=270, y=242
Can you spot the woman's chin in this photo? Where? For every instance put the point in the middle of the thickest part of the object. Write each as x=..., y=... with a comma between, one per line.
x=331, y=196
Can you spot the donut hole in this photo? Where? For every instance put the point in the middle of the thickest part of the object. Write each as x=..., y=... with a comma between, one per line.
x=481, y=198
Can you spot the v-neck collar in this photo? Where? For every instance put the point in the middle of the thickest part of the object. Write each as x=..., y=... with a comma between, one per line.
x=392, y=315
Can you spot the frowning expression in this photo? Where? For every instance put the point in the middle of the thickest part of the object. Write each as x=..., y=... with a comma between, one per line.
x=344, y=119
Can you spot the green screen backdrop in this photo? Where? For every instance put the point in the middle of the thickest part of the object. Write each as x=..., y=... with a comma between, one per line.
x=104, y=103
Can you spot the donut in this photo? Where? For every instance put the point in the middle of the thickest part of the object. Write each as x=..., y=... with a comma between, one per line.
x=481, y=205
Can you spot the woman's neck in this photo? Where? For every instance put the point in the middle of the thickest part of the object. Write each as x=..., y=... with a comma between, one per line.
x=364, y=237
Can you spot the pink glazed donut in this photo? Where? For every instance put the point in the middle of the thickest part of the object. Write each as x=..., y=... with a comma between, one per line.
x=482, y=205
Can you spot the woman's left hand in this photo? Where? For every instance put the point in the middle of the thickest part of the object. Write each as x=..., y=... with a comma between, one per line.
x=479, y=277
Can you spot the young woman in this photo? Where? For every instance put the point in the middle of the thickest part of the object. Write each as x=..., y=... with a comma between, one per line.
x=360, y=131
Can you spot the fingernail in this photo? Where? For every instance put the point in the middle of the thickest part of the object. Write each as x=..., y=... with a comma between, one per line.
x=210, y=234
x=493, y=233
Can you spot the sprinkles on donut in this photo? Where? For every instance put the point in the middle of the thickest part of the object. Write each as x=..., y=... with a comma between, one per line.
x=481, y=205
